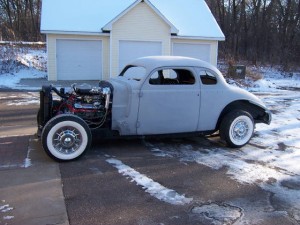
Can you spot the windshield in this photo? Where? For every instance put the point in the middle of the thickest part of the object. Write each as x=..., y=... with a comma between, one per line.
x=134, y=73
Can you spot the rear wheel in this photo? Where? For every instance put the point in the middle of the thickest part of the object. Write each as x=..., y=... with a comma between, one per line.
x=66, y=137
x=237, y=128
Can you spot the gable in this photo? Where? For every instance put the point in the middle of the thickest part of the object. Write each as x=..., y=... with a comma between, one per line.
x=131, y=26
x=108, y=26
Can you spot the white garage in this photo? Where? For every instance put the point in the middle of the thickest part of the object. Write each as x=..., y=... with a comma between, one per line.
x=79, y=59
x=130, y=50
x=198, y=51
x=95, y=40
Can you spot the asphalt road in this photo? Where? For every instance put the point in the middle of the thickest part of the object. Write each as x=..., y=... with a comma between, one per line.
x=97, y=191
x=13, y=103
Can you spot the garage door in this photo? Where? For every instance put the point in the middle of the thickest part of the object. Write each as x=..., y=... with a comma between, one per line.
x=79, y=60
x=198, y=51
x=130, y=50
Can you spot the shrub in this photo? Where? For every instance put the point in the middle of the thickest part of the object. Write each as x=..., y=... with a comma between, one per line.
x=8, y=59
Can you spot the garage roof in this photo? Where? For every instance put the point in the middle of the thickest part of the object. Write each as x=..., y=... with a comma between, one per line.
x=191, y=18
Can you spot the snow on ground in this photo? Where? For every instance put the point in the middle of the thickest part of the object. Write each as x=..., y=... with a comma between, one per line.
x=28, y=98
x=217, y=214
x=33, y=66
x=153, y=188
x=5, y=210
x=12, y=80
x=271, y=159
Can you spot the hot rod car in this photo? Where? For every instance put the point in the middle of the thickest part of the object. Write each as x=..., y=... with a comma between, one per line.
x=151, y=96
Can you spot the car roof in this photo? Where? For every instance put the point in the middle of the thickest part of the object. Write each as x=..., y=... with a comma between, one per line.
x=152, y=62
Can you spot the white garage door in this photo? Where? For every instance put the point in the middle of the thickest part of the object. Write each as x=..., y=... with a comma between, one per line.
x=130, y=50
x=198, y=51
x=79, y=60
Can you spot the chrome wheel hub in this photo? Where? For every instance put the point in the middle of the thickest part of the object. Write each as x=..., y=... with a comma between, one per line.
x=67, y=140
x=240, y=130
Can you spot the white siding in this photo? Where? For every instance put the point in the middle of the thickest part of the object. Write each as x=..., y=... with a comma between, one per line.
x=131, y=27
x=130, y=50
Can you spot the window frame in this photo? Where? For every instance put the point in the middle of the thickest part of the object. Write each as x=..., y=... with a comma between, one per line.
x=214, y=78
x=190, y=70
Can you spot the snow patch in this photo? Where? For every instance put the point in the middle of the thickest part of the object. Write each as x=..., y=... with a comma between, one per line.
x=13, y=80
x=8, y=217
x=30, y=98
x=27, y=162
x=218, y=213
x=153, y=188
x=5, y=209
x=24, y=102
x=33, y=67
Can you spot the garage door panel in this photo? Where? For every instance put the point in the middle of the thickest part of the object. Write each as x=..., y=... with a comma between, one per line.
x=79, y=60
x=130, y=50
x=198, y=51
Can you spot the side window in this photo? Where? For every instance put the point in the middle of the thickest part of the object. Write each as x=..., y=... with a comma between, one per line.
x=172, y=77
x=207, y=78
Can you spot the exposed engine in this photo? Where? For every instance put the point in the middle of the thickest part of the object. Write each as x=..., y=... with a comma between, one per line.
x=92, y=104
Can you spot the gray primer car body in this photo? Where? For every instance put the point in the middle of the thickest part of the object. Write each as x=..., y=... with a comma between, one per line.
x=152, y=96
x=140, y=108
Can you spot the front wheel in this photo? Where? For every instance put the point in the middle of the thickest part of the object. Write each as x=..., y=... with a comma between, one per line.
x=237, y=128
x=66, y=137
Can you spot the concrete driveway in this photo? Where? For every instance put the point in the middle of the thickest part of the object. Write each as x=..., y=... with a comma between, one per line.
x=30, y=187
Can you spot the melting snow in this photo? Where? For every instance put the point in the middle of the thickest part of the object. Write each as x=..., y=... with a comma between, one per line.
x=220, y=214
x=270, y=160
x=30, y=98
x=4, y=209
x=13, y=80
x=27, y=161
x=8, y=217
x=153, y=188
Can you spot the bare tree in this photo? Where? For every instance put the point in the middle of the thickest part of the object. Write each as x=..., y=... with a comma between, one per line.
x=20, y=19
x=260, y=30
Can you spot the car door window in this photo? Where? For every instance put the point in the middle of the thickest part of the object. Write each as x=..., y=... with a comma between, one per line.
x=172, y=77
x=207, y=78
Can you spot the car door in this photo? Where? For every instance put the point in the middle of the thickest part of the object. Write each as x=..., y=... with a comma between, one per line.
x=169, y=102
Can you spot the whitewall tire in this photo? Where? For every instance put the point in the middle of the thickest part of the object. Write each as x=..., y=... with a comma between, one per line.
x=66, y=137
x=237, y=128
